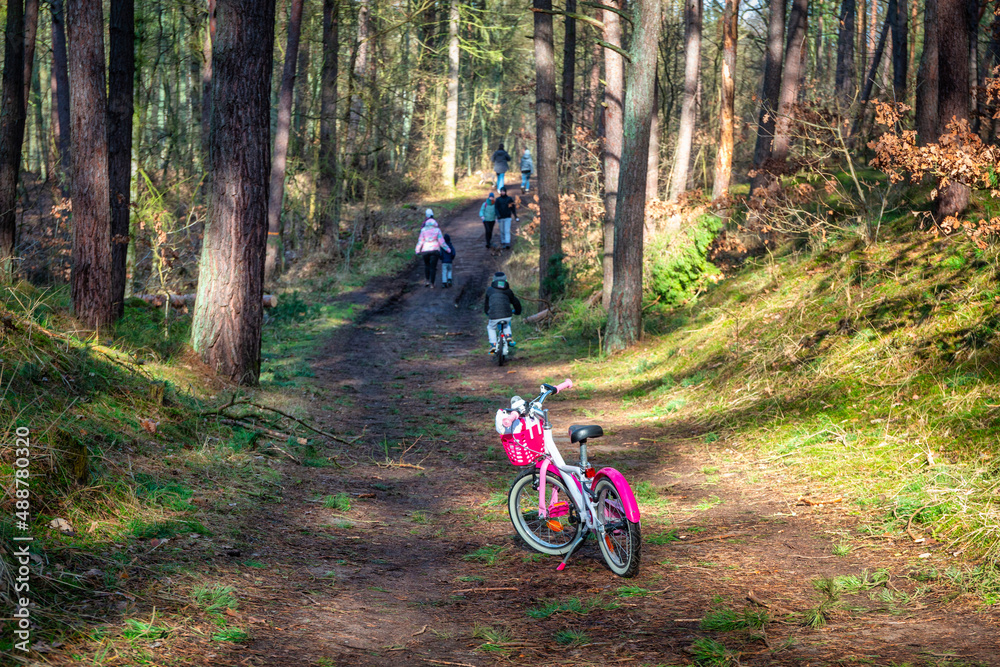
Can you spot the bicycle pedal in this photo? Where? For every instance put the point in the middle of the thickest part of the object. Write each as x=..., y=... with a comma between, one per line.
x=554, y=526
x=559, y=509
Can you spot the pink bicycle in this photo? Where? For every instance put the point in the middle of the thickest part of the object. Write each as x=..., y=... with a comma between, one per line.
x=555, y=506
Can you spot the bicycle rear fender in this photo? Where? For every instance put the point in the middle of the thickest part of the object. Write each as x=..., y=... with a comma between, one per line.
x=628, y=498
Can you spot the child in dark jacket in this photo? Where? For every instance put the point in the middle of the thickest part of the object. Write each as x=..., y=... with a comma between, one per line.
x=447, y=257
x=500, y=304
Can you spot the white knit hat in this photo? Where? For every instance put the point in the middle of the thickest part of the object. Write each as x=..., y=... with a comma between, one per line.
x=428, y=213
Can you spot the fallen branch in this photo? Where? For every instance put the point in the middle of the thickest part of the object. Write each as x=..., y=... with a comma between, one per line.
x=818, y=501
x=709, y=539
x=909, y=523
x=323, y=433
x=281, y=435
x=421, y=631
x=485, y=590
x=539, y=316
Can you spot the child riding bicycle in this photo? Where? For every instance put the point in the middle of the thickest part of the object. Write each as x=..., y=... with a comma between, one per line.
x=500, y=304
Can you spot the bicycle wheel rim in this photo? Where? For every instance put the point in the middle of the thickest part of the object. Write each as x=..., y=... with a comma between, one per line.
x=552, y=534
x=620, y=540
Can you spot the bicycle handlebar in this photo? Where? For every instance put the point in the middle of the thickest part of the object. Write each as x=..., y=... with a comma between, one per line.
x=514, y=415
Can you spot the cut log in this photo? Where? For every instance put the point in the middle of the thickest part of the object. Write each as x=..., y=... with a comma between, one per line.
x=181, y=300
x=539, y=316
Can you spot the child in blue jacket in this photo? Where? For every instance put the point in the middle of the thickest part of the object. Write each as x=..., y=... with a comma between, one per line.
x=447, y=257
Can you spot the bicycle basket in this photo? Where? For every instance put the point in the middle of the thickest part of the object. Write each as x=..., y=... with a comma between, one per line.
x=524, y=444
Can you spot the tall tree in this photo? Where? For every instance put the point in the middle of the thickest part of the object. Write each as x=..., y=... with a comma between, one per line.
x=692, y=68
x=791, y=76
x=279, y=159
x=206, y=86
x=568, y=81
x=228, y=311
x=770, y=89
x=897, y=14
x=121, y=78
x=953, y=88
x=653, y=161
x=60, y=86
x=91, y=271
x=12, y=120
x=593, y=87
x=30, y=35
x=614, y=95
x=451, y=106
x=359, y=76
x=927, y=78
x=625, y=316
x=845, y=82
x=547, y=145
x=328, y=177
x=727, y=98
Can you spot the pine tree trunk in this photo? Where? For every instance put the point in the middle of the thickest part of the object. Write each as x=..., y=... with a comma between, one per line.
x=791, y=76
x=953, y=89
x=30, y=35
x=550, y=232
x=927, y=78
x=770, y=90
x=568, y=83
x=91, y=272
x=593, y=88
x=359, y=76
x=614, y=93
x=60, y=87
x=328, y=177
x=228, y=311
x=625, y=315
x=121, y=77
x=299, y=142
x=206, y=90
x=689, y=108
x=727, y=95
x=846, y=77
x=12, y=117
x=451, y=106
x=653, y=160
x=276, y=189
x=897, y=12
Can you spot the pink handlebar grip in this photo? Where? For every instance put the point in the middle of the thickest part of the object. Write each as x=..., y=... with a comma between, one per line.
x=565, y=384
x=509, y=419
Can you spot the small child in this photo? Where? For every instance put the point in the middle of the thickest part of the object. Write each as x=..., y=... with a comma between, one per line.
x=500, y=304
x=447, y=257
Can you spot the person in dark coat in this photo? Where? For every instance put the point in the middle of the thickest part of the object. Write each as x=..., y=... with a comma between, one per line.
x=506, y=212
x=499, y=305
x=447, y=257
x=501, y=161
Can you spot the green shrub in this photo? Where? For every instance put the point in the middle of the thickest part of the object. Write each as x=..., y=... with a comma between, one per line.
x=678, y=266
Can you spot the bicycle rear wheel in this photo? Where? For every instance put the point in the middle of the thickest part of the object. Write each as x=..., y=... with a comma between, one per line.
x=621, y=541
x=552, y=534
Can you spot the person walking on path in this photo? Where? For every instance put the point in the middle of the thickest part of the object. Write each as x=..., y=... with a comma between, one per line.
x=527, y=166
x=500, y=304
x=488, y=214
x=506, y=211
x=447, y=257
x=429, y=246
x=501, y=161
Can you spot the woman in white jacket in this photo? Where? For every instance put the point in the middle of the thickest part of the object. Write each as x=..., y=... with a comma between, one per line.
x=527, y=166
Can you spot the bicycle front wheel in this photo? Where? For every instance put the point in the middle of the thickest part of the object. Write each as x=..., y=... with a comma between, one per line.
x=552, y=533
x=621, y=541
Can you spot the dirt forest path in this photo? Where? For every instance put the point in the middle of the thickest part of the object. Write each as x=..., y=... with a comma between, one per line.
x=422, y=569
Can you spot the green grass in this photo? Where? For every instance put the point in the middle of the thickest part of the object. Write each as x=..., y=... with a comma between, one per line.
x=216, y=598
x=568, y=637
x=632, y=592
x=136, y=629
x=340, y=502
x=235, y=635
x=724, y=619
x=487, y=555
